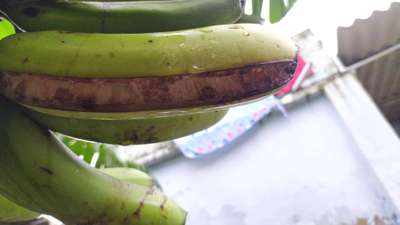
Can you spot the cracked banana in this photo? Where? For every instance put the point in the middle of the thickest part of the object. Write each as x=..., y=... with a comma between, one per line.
x=203, y=67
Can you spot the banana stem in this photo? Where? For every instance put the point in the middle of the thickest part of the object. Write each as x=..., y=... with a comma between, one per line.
x=257, y=7
x=38, y=172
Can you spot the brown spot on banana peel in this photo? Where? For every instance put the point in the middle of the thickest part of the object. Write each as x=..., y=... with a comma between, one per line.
x=162, y=206
x=147, y=93
x=46, y=170
x=25, y=60
x=137, y=212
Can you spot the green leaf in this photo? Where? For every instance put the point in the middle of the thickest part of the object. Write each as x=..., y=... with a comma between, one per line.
x=278, y=9
x=6, y=28
x=107, y=157
x=257, y=7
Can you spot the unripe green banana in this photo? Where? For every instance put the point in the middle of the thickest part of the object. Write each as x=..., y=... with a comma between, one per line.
x=12, y=213
x=120, y=16
x=207, y=66
x=130, y=175
x=143, y=55
x=39, y=173
x=124, y=129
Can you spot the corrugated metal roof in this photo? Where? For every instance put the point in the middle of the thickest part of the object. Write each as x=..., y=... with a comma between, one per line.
x=366, y=37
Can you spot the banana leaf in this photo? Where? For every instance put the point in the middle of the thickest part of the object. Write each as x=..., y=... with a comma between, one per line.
x=277, y=10
x=6, y=28
x=106, y=154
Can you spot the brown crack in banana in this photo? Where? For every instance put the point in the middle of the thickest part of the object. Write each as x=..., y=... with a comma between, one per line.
x=146, y=93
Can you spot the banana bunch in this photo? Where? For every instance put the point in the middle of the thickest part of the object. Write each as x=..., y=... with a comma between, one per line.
x=13, y=213
x=120, y=72
x=42, y=175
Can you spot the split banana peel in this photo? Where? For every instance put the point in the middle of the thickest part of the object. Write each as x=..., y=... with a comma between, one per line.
x=200, y=67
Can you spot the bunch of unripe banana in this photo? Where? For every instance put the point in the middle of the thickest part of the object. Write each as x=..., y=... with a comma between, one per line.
x=120, y=72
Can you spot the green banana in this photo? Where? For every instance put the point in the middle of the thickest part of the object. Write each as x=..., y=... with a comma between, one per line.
x=12, y=213
x=130, y=175
x=120, y=16
x=125, y=131
x=207, y=66
x=143, y=55
x=39, y=173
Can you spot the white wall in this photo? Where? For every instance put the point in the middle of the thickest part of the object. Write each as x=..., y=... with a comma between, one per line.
x=304, y=169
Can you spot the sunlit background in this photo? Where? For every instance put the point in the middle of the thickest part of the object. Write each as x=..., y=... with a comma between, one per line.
x=324, y=16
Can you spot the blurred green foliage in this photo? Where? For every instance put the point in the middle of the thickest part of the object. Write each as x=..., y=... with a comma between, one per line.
x=6, y=28
x=106, y=154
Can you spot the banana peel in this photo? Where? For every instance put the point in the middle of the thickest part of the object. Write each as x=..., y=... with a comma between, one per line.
x=205, y=67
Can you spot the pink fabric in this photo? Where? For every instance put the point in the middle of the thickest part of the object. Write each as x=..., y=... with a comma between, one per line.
x=288, y=88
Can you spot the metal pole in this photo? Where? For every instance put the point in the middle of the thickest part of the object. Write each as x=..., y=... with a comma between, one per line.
x=372, y=58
